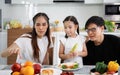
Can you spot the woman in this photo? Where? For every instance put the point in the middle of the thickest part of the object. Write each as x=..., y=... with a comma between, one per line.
x=33, y=46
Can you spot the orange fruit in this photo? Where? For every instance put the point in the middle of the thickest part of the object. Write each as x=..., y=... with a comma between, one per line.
x=16, y=73
x=28, y=63
x=22, y=71
x=28, y=70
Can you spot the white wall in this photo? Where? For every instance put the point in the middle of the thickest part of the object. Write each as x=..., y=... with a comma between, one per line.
x=55, y=11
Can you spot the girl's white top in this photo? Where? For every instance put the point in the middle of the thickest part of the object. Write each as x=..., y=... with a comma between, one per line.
x=69, y=43
x=26, y=50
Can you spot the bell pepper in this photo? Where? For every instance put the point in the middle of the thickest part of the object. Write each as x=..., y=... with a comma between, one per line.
x=101, y=67
x=113, y=66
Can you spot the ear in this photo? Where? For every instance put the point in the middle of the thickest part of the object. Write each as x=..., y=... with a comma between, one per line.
x=102, y=28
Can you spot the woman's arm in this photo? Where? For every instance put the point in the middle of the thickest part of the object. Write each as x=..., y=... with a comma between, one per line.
x=12, y=49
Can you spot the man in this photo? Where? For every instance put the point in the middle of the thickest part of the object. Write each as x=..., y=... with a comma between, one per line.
x=101, y=47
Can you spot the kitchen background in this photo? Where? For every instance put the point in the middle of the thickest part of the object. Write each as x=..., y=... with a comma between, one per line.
x=55, y=11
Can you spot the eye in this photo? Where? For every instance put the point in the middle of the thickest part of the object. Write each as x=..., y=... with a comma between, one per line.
x=37, y=24
x=93, y=29
x=70, y=27
x=44, y=24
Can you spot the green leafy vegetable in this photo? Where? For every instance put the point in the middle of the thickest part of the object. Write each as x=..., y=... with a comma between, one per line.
x=64, y=66
x=75, y=66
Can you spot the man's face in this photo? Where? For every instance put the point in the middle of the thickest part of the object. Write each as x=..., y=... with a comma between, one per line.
x=94, y=32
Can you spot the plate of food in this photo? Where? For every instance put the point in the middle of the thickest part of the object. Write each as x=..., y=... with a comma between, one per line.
x=50, y=71
x=70, y=66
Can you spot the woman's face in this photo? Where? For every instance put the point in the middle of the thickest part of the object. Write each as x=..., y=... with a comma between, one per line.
x=41, y=26
x=94, y=32
x=70, y=28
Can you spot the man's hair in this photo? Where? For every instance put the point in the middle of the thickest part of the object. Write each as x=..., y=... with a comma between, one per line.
x=99, y=21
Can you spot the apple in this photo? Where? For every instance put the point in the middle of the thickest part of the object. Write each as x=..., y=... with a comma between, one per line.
x=37, y=68
x=16, y=67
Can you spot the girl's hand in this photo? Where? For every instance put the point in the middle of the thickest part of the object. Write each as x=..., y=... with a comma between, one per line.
x=75, y=53
x=69, y=55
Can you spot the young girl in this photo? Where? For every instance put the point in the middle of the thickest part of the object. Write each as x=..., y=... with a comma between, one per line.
x=72, y=37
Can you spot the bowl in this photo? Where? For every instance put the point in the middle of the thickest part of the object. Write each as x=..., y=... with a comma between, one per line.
x=93, y=72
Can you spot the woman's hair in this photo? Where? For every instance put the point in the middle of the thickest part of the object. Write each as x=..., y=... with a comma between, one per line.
x=72, y=19
x=95, y=20
x=34, y=35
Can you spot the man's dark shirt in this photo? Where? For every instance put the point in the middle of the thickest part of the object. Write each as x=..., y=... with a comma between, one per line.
x=108, y=50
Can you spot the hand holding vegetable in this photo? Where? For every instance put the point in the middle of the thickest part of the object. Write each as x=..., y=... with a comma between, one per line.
x=74, y=47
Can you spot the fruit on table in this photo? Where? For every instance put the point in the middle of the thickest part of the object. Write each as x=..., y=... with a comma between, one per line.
x=16, y=67
x=37, y=68
x=27, y=68
x=16, y=73
x=113, y=66
x=28, y=63
x=101, y=67
x=74, y=47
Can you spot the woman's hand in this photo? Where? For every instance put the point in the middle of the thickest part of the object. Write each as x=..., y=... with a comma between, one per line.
x=12, y=49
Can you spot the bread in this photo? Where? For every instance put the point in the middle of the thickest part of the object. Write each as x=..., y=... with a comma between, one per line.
x=47, y=72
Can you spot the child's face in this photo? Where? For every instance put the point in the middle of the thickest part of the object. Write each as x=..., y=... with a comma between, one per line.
x=70, y=28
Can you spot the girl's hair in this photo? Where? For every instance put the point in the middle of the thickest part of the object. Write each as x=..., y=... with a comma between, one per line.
x=34, y=36
x=72, y=19
x=99, y=21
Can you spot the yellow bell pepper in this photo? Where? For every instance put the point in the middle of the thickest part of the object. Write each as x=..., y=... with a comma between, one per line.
x=113, y=66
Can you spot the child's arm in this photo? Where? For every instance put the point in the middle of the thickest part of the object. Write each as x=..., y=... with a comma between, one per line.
x=61, y=53
x=83, y=53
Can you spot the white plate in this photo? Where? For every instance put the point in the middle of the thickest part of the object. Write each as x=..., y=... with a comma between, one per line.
x=56, y=71
x=69, y=63
x=70, y=69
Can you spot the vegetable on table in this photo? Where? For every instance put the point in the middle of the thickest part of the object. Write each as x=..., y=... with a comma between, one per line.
x=101, y=67
x=113, y=66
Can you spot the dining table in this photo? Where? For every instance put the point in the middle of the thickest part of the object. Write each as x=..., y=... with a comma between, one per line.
x=85, y=70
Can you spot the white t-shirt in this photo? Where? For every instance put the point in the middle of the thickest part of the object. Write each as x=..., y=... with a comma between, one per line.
x=26, y=51
x=69, y=43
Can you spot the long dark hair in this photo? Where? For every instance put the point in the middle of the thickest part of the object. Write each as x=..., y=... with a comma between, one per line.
x=74, y=20
x=34, y=35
